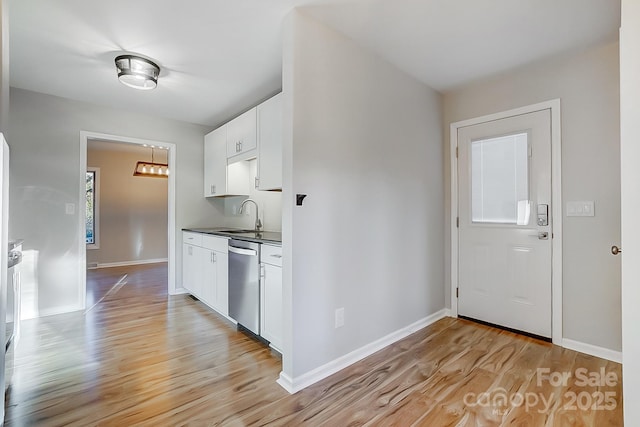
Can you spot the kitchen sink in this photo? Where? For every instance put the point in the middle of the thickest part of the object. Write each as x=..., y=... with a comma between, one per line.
x=236, y=231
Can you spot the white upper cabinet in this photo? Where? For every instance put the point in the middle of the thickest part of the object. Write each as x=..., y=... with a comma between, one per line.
x=242, y=139
x=215, y=162
x=256, y=133
x=270, y=134
x=220, y=179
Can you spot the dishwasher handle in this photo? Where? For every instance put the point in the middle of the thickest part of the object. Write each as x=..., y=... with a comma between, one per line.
x=242, y=251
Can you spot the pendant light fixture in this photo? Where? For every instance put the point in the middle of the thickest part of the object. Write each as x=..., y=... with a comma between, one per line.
x=152, y=169
x=137, y=72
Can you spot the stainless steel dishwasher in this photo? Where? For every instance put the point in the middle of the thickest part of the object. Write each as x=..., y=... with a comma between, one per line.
x=244, y=284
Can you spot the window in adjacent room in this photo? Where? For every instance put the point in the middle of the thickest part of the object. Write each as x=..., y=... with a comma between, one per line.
x=92, y=207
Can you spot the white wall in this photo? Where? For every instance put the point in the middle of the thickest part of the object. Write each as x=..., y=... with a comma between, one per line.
x=44, y=135
x=630, y=150
x=4, y=113
x=588, y=85
x=364, y=142
x=4, y=65
x=133, y=209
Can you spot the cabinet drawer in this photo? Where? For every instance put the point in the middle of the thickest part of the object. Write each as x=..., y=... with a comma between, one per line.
x=271, y=255
x=192, y=238
x=215, y=243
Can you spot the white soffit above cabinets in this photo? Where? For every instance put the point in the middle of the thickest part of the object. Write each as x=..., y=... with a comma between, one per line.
x=219, y=57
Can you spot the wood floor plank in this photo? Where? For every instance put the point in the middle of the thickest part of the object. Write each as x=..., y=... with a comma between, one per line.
x=140, y=357
x=375, y=373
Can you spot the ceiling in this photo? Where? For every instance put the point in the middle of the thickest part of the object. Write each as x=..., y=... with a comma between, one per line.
x=220, y=57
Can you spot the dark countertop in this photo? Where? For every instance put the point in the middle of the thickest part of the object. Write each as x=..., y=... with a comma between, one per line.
x=270, y=237
x=15, y=243
x=15, y=257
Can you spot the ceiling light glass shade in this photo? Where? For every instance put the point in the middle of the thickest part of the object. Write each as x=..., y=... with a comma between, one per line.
x=137, y=72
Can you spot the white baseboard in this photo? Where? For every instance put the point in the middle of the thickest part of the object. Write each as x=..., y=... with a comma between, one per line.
x=127, y=263
x=293, y=385
x=286, y=382
x=593, y=350
x=58, y=310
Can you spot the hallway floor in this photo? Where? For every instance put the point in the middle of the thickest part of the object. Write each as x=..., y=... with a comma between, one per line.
x=139, y=357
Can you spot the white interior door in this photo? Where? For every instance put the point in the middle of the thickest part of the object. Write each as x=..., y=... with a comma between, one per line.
x=505, y=222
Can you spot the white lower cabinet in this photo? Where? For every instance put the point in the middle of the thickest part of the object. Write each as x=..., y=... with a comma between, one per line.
x=220, y=300
x=209, y=276
x=271, y=295
x=191, y=275
x=205, y=274
x=205, y=269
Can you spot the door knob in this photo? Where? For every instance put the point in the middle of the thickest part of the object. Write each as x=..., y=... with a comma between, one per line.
x=615, y=250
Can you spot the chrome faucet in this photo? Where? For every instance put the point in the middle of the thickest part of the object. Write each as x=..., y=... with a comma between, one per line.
x=258, y=225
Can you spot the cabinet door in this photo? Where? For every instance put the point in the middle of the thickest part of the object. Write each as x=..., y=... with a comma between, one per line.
x=220, y=179
x=221, y=302
x=272, y=305
x=270, y=135
x=192, y=269
x=242, y=135
x=215, y=162
x=188, y=268
x=209, y=277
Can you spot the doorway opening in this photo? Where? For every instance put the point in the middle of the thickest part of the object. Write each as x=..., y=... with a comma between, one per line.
x=145, y=235
x=525, y=213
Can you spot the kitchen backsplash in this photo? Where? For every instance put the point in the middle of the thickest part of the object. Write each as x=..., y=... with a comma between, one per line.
x=270, y=211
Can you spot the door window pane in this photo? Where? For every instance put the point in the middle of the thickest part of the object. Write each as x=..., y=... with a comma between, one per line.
x=499, y=178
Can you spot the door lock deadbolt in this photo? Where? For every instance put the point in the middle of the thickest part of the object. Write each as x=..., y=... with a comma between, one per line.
x=543, y=215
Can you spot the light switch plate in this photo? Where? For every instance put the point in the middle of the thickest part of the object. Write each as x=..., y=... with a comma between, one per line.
x=69, y=208
x=581, y=208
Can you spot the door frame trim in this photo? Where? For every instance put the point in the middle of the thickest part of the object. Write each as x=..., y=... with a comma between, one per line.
x=556, y=201
x=85, y=136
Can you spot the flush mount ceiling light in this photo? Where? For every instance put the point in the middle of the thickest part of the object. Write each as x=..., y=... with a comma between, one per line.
x=137, y=72
x=152, y=169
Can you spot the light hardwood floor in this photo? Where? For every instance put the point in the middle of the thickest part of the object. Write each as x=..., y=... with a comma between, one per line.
x=139, y=357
